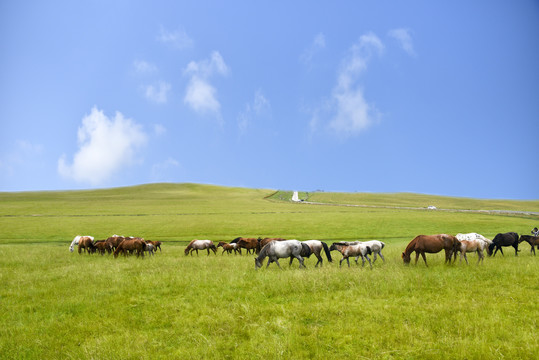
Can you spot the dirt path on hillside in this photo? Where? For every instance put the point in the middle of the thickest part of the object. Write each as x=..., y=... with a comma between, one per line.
x=490, y=212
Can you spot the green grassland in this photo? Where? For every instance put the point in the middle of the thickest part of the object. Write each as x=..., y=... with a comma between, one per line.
x=58, y=304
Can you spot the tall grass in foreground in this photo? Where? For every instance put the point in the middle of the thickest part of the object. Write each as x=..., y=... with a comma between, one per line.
x=58, y=304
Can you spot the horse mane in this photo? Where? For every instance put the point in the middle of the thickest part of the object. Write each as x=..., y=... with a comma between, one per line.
x=191, y=243
x=411, y=245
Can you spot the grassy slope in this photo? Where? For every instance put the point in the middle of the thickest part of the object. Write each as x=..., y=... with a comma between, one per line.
x=62, y=305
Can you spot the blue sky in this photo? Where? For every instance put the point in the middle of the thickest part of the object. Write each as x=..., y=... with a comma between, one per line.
x=436, y=97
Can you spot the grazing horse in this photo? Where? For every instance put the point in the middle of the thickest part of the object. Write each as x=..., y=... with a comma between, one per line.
x=265, y=241
x=316, y=247
x=246, y=243
x=76, y=241
x=348, y=249
x=281, y=249
x=532, y=240
x=102, y=246
x=115, y=240
x=431, y=244
x=229, y=247
x=130, y=245
x=196, y=245
x=507, y=239
x=86, y=243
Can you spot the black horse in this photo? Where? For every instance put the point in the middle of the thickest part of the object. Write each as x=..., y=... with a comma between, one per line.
x=507, y=239
x=532, y=240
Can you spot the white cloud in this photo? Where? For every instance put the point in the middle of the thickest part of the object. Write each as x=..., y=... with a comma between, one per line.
x=200, y=94
x=106, y=147
x=157, y=93
x=349, y=112
x=177, y=39
x=318, y=44
x=144, y=67
x=405, y=38
x=260, y=106
x=159, y=129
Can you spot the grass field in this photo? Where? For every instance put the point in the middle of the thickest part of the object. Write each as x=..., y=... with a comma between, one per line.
x=64, y=305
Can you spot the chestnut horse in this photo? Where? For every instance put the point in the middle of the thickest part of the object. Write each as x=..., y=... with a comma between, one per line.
x=130, y=245
x=86, y=243
x=200, y=245
x=246, y=243
x=431, y=244
x=76, y=241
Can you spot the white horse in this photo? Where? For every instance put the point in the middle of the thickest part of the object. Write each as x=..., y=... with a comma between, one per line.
x=348, y=249
x=200, y=245
x=76, y=241
x=472, y=242
x=282, y=249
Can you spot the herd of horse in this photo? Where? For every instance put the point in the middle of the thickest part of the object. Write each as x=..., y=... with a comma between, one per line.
x=115, y=244
x=279, y=248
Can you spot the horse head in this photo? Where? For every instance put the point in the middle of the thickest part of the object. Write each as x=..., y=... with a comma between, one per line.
x=405, y=258
x=490, y=248
x=258, y=264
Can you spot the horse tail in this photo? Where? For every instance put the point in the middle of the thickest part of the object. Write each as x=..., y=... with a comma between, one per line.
x=326, y=249
x=383, y=244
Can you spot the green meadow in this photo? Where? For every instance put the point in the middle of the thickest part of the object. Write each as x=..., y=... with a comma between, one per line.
x=58, y=304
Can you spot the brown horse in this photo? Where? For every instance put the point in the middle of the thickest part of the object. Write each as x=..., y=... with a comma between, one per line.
x=102, y=246
x=86, y=243
x=114, y=241
x=131, y=245
x=265, y=241
x=431, y=244
x=229, y=248
x=532, y=240
x=246, y=243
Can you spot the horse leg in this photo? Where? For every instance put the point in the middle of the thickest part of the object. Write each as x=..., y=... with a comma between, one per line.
x=301, y=264
x=357, y=258
x=424, y=259
x=362, y=261
x=370, y=264
x=501, y=250
x=465, y=257
x=417, y=256
x=291, y=259
x=382, y=256
x=516, y=249
x=319, y=257
x=479, y=256
x=277, y=262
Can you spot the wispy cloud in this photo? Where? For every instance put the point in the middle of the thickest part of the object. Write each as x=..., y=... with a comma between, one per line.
x=162, y=171
x=318, y=44
x=349, y=112
x=258, y=107
x=177, y=39
x=200, y=94
x=144, y=67
x=404, y=37
x=157, y=93
x=106, y=147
